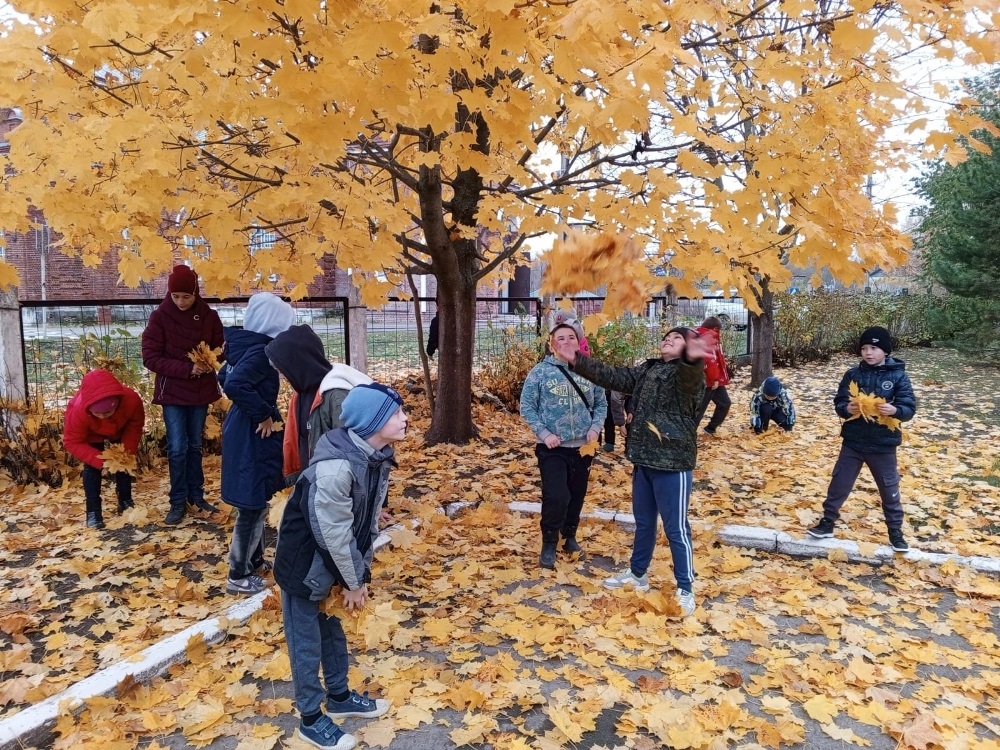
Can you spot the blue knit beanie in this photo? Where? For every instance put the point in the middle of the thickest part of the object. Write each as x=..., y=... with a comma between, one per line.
x=772, y=386
x=368, y=407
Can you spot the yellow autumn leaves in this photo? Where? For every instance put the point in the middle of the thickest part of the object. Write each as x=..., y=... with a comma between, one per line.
x=868, y=405
x=206, y=356
x=587, y=262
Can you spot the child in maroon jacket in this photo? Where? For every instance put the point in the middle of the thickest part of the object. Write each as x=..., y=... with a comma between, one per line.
x=102, y=412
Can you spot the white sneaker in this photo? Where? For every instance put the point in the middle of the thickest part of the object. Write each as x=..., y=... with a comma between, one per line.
x=685, y=599
x=627, y=578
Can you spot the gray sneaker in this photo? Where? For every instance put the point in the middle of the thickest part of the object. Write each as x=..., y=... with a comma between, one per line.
x=627, y=578
x=250, y=585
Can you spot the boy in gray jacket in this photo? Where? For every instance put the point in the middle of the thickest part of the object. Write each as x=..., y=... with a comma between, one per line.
x=565, y=412
x=327, y=538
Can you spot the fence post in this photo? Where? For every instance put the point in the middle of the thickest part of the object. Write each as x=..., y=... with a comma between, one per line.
x=357, y=324
x=13, y=384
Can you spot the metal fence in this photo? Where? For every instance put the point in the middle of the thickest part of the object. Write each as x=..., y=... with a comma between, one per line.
x=61, y=339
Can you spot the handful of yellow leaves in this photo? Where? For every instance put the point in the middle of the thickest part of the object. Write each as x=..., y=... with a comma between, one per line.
x=205, y=356
x=116, y=459
x=868, y=406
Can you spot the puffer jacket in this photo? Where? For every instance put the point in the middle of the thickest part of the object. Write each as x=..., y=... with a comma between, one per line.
x=328, y=530
x=665, y=397
x=551, y=406
x=82, y=429
x=888, y=380
x=168, y=337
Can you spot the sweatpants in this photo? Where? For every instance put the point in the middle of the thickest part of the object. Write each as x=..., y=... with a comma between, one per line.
x=845, y=474
x=565, y=474
x=316, y=642
x=666, y=493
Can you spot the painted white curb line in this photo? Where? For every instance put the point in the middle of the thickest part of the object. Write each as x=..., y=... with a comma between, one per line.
x=770, y=540
x=33, y=724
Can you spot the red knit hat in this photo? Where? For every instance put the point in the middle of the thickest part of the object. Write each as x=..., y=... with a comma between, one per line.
x=183, y=279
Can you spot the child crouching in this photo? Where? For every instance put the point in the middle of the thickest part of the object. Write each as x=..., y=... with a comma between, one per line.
x=327, y=538
x=103, y=412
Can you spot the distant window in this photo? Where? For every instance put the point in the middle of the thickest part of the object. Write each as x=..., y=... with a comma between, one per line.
x=197, y=245
x=261, y=239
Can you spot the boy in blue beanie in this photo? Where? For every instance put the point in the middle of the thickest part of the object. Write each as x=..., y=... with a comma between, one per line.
x=327, y=538
x=771, y=403
x=868, y=441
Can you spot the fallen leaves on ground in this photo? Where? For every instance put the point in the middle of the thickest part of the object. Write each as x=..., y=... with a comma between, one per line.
x=463, y=625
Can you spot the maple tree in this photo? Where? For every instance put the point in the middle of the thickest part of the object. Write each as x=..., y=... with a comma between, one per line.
x=442, y=138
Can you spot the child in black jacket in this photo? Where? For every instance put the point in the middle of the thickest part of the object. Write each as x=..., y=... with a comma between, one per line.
x=867, y=439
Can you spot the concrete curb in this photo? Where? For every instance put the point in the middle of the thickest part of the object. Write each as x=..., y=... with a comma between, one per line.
x=781, y=542
x=33, y=724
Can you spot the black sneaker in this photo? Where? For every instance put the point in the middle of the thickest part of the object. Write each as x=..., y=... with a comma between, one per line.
x=356, y=705
x=822, y=530
x=709, y=430
x=175, y=515
x=125, y=504
x=94, y=520
x=897, y=542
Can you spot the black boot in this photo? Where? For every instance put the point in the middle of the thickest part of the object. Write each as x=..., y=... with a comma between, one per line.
x=571, y=545
x=548, y=558
x=175, y=515
x=95, y=520
x=124, y=503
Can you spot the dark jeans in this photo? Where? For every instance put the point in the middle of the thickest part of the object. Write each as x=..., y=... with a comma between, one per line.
x=314, y=641
x=246, y=551
x=845, y=474
x=771, y=412
x=720, y=397
x=564, y=486
x=185, y=425
x=92, y=479
x=608, y=433
x=664, y=493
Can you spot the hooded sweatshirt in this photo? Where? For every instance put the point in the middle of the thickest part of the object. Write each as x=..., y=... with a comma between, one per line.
x=551, y=406
x=298, y=355
x=83, y=430
x=168, y=337
x=268, y=314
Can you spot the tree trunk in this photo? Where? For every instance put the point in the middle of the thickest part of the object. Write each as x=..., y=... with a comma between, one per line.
x=452, y=420
x=762, y=337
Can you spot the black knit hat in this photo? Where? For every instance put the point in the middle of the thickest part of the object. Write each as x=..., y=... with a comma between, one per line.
x=877, y=336
x=682, y=330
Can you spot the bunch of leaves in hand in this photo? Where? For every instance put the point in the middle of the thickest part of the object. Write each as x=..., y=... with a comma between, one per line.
x=868, y=408
x=116, y=458
x=206, y=357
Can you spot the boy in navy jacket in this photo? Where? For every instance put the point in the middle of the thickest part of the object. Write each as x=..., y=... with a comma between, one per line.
x=866, y=440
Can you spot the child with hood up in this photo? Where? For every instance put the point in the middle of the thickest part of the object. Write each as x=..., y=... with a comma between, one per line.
x=251, y=448
x=184, y=389
x=318, y=388
x=102, y=412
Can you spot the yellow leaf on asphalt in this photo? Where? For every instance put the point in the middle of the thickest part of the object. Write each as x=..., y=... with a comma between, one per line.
x=821, y=708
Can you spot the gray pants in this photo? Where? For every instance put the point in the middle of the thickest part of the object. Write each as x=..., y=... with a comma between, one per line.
x=884, y=472
x=315, y=640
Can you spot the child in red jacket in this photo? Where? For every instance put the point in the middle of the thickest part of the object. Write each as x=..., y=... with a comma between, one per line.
x=716, y=377
x=102, y=412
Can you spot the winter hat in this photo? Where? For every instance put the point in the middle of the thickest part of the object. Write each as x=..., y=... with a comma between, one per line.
x=565, y=316
x=771, y=387
x=877, y=336
x=105, y=404
x=368, y=407
x=182, y=279
x=268, y=314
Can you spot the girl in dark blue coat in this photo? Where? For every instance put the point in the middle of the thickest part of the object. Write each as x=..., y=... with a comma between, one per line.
x=251, y=448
